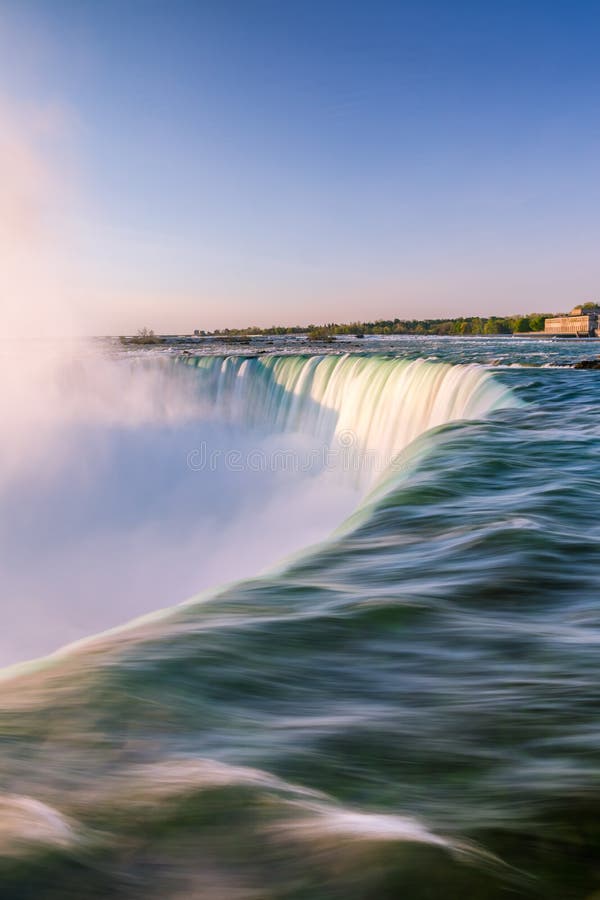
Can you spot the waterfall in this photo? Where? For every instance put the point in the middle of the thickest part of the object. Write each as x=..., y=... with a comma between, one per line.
x=369, y=406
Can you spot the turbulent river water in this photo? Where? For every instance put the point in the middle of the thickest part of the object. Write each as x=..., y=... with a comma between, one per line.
x=408, y=708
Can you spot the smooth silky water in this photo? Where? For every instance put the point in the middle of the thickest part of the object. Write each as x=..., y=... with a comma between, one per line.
x=407, y=709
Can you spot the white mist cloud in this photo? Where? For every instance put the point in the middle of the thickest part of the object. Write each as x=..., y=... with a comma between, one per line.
x=112, y=522
x=38, y=281
x=101, y=519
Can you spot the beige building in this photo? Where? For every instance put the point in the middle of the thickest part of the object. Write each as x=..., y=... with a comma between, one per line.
x=581, y=322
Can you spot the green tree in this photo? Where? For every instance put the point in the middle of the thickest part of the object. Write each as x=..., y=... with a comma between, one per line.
x=494, y=325
x=537, y=322
x=523, y=324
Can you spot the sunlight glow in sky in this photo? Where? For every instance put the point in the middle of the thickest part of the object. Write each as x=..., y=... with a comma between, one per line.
x=189, y=165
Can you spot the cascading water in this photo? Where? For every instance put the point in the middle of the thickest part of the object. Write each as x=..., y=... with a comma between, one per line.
x=370, y=407
x=409, y=709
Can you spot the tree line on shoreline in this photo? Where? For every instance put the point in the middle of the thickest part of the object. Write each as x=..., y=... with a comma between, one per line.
x=465, y=325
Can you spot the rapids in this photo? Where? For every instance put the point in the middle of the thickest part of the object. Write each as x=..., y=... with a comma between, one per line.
x=408, y=708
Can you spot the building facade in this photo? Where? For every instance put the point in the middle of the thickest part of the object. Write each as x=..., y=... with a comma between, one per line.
x=581, y=322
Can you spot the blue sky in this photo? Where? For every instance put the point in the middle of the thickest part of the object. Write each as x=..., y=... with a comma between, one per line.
x=227, y=163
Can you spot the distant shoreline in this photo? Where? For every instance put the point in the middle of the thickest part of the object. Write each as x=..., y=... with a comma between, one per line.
x=529, y=324
x=304, y=338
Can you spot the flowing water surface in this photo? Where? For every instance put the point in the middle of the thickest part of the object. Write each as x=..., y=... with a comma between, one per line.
x=408, y=708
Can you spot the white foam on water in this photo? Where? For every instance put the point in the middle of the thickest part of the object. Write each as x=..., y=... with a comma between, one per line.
x=351, y=824
x=25, y=823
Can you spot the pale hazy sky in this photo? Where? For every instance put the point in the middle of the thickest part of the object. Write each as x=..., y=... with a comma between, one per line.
x=187, y=165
